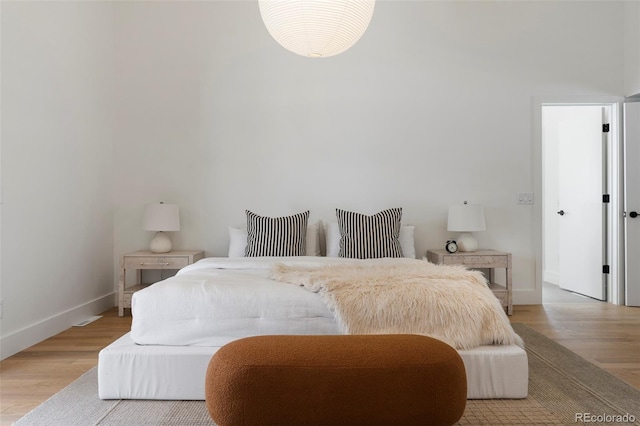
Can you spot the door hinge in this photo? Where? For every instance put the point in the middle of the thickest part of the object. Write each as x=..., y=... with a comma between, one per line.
x=606, y=198
x=605, y=269
x=605, y=128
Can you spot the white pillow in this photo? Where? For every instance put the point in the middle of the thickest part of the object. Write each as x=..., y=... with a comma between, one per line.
x=332, y=238
x=238, y=240
x=406, y=240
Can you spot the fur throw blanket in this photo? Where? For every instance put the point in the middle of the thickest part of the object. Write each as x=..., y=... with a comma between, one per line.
x=407, y=296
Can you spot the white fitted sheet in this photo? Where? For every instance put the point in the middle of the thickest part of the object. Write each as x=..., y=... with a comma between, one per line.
x=496, y=372
x=130, y=371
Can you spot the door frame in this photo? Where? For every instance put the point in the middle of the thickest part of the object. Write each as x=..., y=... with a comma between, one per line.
x=615, y=231
x=628, y=100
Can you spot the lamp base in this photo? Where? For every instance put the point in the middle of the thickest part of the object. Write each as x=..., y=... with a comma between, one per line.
x=466, y=242
x=160, y=243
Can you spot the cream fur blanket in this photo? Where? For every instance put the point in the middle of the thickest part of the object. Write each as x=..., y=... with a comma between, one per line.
x=449, y=303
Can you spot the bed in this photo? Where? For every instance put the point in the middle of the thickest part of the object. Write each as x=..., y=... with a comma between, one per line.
x=179, y=323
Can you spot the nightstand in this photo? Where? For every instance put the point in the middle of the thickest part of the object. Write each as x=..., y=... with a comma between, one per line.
x=140, y=260
x=489, y=259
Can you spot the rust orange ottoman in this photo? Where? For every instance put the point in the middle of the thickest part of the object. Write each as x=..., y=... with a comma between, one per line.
x=336, y=380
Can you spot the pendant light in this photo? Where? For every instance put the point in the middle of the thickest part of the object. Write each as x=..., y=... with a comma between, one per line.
x=316, y=28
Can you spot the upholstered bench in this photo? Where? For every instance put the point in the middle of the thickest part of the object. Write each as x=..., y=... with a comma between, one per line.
x=336, y=380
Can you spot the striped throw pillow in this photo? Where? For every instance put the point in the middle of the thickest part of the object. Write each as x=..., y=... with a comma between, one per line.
x=370, y=237
x=276, y=236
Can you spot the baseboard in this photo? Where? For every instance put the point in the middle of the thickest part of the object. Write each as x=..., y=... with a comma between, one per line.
x=29, y=336
x=551, y=277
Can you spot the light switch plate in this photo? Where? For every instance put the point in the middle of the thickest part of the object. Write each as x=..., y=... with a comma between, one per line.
x=525, y=197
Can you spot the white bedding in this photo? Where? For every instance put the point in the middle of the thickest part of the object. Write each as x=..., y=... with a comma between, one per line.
x=218, y=300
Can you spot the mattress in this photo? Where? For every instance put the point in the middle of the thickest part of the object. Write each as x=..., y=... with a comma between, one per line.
x=127, y=370
x=217, y=300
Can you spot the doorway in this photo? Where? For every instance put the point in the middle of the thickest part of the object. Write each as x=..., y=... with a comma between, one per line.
x=577, y=150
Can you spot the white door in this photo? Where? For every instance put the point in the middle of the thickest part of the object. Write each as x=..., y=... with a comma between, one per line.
x=632, y=202
x=581, y=185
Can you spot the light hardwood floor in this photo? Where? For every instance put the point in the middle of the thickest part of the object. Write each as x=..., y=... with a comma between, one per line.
x=33, y=375
x=607, y=335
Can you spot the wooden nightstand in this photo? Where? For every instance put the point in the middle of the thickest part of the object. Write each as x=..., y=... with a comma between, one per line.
x=489, y=259
x=140, y=260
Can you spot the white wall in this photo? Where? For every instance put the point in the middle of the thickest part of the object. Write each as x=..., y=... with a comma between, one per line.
x=632, y=48
x=57, y=169
x=431, y=107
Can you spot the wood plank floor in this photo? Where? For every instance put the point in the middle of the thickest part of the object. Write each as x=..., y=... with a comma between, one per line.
x=33, y=375
x=605, y=334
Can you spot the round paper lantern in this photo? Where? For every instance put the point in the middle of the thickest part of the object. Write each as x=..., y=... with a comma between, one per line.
x=316, y=28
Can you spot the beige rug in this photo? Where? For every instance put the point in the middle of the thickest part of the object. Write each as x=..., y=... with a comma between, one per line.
x=562, y=386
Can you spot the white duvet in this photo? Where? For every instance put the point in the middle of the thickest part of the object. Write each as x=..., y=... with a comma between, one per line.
x=218, y=300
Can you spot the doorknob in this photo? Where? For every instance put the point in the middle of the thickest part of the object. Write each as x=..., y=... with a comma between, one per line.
x=633, y=214
x=561, y=212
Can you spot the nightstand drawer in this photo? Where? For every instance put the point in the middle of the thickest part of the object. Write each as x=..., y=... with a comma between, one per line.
x=155, y=262
x=472, y=261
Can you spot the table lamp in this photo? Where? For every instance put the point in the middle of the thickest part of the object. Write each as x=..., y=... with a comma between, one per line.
x=466, y=218
x=161, y=218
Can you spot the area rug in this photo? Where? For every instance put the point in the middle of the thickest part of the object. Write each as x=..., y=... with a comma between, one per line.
x=564, y=389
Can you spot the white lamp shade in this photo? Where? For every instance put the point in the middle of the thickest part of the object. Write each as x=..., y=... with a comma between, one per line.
x=161, y=217
x=316, y=28
x=466, y=218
